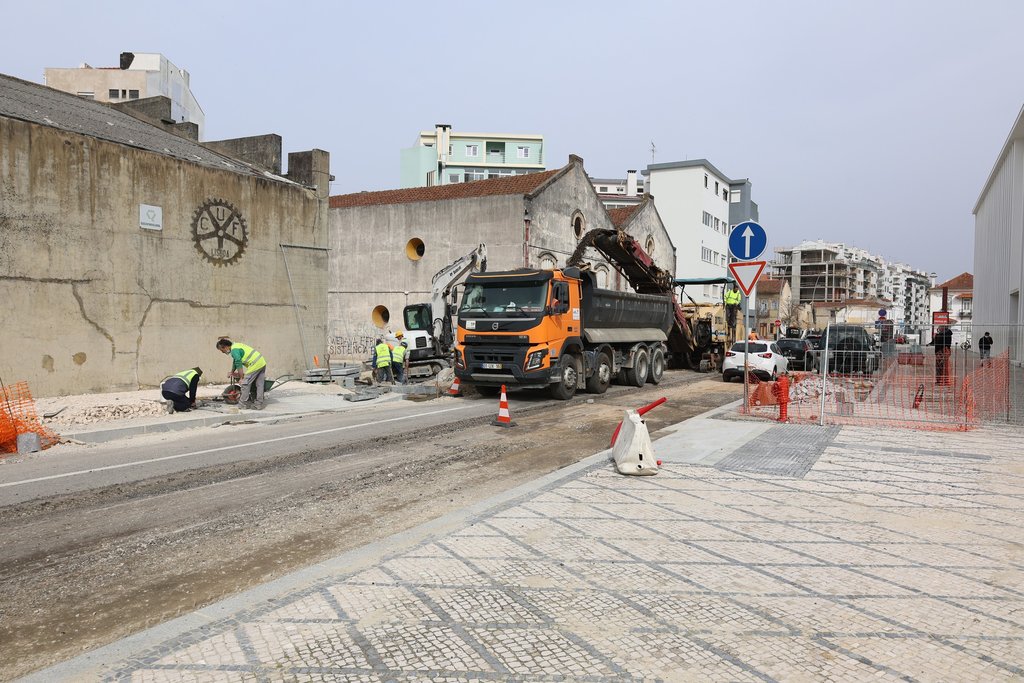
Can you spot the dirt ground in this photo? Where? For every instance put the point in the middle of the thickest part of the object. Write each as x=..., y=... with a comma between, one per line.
x=157, y=549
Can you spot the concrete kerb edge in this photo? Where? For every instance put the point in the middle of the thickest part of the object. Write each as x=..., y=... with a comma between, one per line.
x=178, y=424
x=97, y=662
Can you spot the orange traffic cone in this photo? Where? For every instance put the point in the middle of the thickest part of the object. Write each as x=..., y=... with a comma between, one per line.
x=503, y=419
x=455, y=389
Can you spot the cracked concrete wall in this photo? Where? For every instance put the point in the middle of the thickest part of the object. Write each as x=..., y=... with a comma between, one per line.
x=93, y=302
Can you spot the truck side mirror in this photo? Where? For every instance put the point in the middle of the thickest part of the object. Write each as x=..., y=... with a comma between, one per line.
x=453, y=309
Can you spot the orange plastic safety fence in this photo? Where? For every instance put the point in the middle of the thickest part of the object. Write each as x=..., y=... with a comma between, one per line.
x=18, y=416
x=912, y=392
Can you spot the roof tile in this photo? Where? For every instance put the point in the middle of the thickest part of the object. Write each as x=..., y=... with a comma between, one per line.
x=961, y=281
x=621, y=215
x=518, y=184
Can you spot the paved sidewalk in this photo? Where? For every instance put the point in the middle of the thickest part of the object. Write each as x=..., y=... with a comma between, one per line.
x=760, y=552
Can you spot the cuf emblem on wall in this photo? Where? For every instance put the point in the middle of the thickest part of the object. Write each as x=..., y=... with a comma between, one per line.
x=219, y=232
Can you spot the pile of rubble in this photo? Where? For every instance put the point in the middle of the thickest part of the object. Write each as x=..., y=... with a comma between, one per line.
x=809, y=388
x=85, y=415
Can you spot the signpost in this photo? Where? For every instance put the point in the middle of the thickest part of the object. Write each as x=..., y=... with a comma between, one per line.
x=747, y=241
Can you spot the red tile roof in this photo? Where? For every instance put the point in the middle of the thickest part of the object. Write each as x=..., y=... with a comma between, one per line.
x=518, y=184
x=961, y=281
x=621, y=215
x=769, y=286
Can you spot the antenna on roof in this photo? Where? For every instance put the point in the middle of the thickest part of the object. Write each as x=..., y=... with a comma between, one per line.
x=653, y=150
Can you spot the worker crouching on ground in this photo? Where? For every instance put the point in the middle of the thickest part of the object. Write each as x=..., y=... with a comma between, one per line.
x=180, y=390
x=381, y=361
x=248, y=367
x=399, y=359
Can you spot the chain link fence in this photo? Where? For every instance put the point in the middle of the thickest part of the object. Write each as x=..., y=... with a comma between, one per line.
x=971, y=382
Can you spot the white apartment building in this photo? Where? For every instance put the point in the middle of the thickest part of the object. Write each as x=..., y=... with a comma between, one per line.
x=140, y=75
x=833, y=272
x=616, y=193
x=698, y=205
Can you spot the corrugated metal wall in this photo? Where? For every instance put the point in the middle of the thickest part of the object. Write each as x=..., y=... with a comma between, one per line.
x=999, y=252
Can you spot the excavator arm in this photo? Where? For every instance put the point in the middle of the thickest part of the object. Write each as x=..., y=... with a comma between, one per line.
x=629, y=258
x=441, y=286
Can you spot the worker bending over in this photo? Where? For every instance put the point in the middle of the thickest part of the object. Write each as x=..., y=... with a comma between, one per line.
x=180, y=390
x=248, y=367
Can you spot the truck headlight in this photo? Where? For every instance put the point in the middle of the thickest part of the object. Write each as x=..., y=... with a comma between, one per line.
x=534, y=359
x=459, y=363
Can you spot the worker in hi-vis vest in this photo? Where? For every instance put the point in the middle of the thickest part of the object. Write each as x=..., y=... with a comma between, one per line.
x=399, y=358
x=381, y=361
x=179, y=391
x=249, y=367
x=732, y=304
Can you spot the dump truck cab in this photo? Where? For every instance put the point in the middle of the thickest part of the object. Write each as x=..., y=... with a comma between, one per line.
x=515, y=326
x=557, y=329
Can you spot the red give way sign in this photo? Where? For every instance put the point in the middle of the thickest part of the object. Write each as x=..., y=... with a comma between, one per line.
x=746, y=274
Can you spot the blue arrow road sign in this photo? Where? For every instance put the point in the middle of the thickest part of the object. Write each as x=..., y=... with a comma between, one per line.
x=747, y=241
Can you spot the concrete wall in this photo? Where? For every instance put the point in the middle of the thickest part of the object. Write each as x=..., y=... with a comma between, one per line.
x=370, y=265
x=94, y=302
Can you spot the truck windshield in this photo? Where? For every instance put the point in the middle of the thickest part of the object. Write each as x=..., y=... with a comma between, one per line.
x=524, y=300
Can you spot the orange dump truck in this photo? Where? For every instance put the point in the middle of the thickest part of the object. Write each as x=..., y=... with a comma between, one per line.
x=558, y=330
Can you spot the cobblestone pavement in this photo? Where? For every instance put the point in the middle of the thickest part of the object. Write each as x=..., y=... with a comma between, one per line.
x=851, y=554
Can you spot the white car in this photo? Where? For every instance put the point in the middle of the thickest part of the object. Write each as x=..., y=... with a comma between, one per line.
x=766, y=360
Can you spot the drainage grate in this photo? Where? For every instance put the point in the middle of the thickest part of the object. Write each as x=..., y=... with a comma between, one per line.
x=784, y=450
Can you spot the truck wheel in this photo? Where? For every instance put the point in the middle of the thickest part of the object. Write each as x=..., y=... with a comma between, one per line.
x=566, y=389
x=657, y=371
x=637, y=375
x=602, y=377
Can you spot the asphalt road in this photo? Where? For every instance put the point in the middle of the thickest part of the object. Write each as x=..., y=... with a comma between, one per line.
x=112, y=538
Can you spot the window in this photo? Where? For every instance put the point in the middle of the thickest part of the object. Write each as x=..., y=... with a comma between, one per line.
x=603, y=188
x=716, y=224
x=707, y=219
x=454, y=178
x=113, y=93
x=578, y=224
x=475, y=174
x=86, y=94
x=133, y=94
x=716, y=187
x=472, y=150
x=725, y=194
x=523, y=152
x=705, y=180
x=735, y=196
x=649, y=245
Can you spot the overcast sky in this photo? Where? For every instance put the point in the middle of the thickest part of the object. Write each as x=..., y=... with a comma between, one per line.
x=871, y=122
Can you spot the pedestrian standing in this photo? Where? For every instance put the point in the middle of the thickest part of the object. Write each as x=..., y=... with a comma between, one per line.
x=942, y=342
x=985, y=347
x=732, y=305
x=180, y=390
x=248, y=367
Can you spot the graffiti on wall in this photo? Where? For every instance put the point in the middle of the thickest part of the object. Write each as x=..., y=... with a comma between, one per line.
x=348, y=339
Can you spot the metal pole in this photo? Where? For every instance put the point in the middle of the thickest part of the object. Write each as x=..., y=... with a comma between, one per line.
x=746, y=354
x=824, y=376
x=295, y=305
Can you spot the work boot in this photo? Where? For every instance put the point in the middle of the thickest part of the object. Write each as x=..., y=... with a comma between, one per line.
x=169, y=407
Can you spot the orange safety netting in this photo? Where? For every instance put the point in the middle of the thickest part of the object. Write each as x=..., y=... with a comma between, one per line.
x=18, y=416
x=913, y=392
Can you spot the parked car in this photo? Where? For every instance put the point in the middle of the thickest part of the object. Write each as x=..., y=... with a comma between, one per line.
x=850, y=349
x=765, y=362
x=799, y=353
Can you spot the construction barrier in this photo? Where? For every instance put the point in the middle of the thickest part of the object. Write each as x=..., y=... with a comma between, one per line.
x=18, y=416
x=944, y=393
